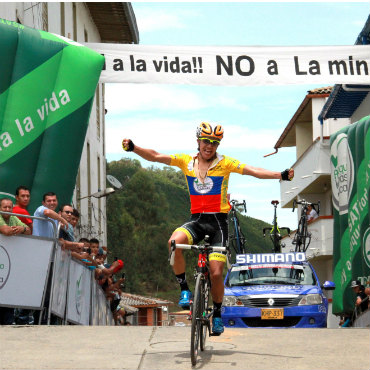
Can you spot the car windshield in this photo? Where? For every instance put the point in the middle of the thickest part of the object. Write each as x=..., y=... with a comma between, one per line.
x=271, y=274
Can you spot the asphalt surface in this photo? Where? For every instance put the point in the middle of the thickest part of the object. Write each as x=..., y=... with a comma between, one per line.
x=132, y=347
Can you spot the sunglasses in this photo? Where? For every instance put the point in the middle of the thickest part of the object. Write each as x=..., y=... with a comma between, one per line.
x=68, y=212
x=210, y=141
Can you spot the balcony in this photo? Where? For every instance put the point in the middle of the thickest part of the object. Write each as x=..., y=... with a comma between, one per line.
x=311, y=173
x=321, y=244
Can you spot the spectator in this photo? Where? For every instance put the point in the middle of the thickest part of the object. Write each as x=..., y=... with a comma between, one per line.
x=11, y=225
x=110, y=269
x=345, y=321
x=362, y=300
x=66, y=212
x=94, y=245
x=311, y=213
x=22, y=198
x=47, y=211
x=75, y=217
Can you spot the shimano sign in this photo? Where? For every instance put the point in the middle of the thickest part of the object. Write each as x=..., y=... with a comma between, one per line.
x=271, y=258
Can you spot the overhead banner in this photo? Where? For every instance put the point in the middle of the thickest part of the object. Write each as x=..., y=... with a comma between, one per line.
x=350, y=182
x=239, y=65
x=47, y=88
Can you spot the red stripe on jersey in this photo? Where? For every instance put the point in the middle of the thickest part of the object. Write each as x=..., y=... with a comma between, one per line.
x=205, y=203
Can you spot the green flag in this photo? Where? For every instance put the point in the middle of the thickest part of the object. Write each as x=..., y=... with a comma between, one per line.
x=350, y=177
x=47, y=88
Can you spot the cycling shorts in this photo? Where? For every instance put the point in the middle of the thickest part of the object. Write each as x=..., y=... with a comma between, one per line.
x=215, y=225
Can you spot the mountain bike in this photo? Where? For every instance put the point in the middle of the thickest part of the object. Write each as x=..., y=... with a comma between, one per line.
x=275, y=234
x=236, y=237
x=200, y=310
x=302, y=237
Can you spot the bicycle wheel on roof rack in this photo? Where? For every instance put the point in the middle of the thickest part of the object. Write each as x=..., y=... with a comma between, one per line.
x=299, y=237
x=236, y=238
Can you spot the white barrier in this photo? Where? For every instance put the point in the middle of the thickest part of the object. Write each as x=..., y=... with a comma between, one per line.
x=79, y=293
x=62, y=260
x=75, y=296
x=24, y=265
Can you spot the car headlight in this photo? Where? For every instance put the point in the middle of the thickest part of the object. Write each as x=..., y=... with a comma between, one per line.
x=230, y=300
x=310, y=299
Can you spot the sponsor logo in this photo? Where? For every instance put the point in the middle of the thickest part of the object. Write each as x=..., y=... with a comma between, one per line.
x=322, y=309
x=271, y=258
x=342, y=173
x=79, y=295
x=366, y=247
x=205, y=188
x=4, y=266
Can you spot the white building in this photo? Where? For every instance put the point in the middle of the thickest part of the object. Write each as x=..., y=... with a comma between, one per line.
x=322, y=112
x=84, y=22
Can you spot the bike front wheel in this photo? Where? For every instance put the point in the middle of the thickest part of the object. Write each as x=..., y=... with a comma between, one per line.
x=196, y=320
x=205, y=309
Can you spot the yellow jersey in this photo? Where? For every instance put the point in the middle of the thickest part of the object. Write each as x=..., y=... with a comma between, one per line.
x=210, y=196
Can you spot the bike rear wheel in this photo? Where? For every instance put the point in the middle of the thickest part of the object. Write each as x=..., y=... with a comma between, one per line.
x=300, y=236
x=236, y=237
x=196, y=320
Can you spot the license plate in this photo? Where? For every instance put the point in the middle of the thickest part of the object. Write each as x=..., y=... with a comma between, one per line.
x=272, y=313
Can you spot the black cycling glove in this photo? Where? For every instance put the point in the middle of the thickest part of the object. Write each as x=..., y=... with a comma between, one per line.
x=131, y=146
x=285, y=175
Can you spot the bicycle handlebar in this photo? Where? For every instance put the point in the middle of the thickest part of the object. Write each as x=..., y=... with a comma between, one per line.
x=304, y=203
x=201, y=248
x=271, y=228
x=234, y=203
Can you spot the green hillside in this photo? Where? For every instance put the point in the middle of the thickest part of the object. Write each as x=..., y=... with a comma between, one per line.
x=141, y=217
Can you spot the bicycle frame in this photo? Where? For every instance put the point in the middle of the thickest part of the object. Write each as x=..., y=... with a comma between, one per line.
x=275, y=234
x=302, y=238
x=238, y=237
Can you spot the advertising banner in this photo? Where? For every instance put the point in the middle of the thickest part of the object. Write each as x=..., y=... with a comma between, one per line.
x=350, y=180
x=102, y=303
x=47, y=87
x=234, y=65
x=24, y=263
x=94, y=303
x=62, y=259
x=79, y=293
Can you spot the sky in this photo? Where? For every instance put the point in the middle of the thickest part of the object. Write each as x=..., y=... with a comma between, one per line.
x=165, y=117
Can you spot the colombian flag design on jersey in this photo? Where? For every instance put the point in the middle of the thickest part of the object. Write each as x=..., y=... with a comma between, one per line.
x=210, y=196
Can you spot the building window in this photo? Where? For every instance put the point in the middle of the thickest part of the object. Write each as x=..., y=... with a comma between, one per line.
x=74, y=9
x=45, y=25
x=97, y=112
x=99, y=199
x=89, y=185
x=103, y=119
x=78, y=190
x=62, y=20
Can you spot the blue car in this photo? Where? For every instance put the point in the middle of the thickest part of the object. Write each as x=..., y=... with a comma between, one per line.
x=274, y=290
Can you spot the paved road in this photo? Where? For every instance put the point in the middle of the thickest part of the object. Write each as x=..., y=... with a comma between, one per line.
x=147, y=348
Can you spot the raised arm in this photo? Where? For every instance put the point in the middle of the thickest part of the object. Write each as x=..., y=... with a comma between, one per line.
x=262, y=173
x=148, y=154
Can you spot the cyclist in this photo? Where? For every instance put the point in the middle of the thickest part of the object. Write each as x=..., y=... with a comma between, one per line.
x=207, y=174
